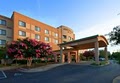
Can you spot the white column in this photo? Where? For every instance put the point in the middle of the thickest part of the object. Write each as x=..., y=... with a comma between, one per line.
x=106, y=54
x=97, y=52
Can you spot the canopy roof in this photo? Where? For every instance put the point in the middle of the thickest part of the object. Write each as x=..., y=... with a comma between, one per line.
x=86, y=43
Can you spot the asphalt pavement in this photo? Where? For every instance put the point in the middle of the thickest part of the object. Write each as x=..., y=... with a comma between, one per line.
x=68, y=73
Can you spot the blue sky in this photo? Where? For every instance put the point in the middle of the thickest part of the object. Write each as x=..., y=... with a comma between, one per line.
x=85, y=17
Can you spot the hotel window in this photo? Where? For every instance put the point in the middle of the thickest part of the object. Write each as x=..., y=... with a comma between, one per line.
x=37, y=28
x=2, y=42
x=64, y=36
x=47, y=39
x=56, y=41
x=22, y=33
x=21, y=23
x=56, y=35
x=37, y=36
x=2, y=32
x=2, y=22
x=46, y=32
x=69, y=38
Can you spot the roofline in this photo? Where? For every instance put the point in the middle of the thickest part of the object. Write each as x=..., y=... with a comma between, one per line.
x=31, y=19
x=104, y=39
x=86, y=38
x=5, y=17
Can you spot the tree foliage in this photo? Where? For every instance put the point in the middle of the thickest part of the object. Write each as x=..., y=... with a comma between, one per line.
x=115, y=35
x=88, y=54
x=116, y=56
x=29, y=48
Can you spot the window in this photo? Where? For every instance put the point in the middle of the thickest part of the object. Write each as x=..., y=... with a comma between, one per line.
x=37, y=28
x=56, y=35
x=64, y=41
x=22, y=33
x=56, y=41
x=21, y=23
x=69, y=38
x=2, y=32
x=46, y=31
x=64, y=36
x=37, y=36
x=2, y=42
x=47, y=39
x=2, y=22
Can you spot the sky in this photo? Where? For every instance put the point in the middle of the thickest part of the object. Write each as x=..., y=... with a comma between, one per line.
x=84, y=17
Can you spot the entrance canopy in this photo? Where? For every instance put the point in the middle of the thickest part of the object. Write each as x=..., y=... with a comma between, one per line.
x=86, y=43
x=95, y=42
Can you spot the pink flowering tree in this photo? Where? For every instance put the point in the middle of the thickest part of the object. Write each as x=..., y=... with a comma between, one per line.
x=88, y=54
x=29, y=49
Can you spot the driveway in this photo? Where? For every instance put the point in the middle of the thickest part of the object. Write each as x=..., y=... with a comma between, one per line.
x=69, y=73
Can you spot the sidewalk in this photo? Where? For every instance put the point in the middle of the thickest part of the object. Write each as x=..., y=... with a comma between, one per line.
x=116, y=80
x=43, y=68
x=10, y=67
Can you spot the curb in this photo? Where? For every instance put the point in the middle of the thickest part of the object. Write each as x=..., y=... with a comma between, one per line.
x=40, y=69
x=116, y=80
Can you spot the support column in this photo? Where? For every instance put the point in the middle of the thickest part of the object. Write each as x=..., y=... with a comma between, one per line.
x=69, y=57
x=106, y=54
x=56, y=58
x=97, y=52
x=76, y=57
x=61, y=54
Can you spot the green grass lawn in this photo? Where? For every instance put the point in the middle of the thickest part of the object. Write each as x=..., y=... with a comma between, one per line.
x=102, y=63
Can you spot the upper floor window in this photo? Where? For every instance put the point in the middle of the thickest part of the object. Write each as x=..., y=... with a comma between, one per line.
x=56, y=41
x=46, y=31
x=2, y=42
x=37, y=36
x=37, y=28
x=47, y=39
x=2, y=22
x=69, y=38
x=22, y=33
x=21, y=23
x=2, y=32
x=56, y=35
x=64, y=36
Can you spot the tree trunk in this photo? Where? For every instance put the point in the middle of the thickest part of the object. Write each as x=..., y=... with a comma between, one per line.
x=29, y=62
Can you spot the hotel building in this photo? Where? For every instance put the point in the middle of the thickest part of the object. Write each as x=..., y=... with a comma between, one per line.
x=20, y=26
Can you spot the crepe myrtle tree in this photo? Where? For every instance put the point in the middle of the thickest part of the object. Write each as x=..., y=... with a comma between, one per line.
x=29, y=49
x=88, y=54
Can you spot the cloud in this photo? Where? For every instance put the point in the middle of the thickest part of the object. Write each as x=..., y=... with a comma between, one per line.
x=101, y=29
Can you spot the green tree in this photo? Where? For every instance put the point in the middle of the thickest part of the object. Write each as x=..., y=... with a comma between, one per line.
x=116, y=56
x=115, y=35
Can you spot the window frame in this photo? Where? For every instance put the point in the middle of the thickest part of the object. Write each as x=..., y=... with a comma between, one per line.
x=22, y=23
x=3, y=22
x=55, y=41
x=47, y=39
x=22, y=33
x=46, y=31
x=36, y=36
x=2, y=31
x=56, y=34
x=1, y=42
x=37, y=28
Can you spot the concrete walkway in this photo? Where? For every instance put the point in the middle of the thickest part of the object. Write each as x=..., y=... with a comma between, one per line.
x=116, y=80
